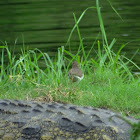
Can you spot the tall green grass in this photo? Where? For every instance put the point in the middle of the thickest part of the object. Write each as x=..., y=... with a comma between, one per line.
x=108, y=80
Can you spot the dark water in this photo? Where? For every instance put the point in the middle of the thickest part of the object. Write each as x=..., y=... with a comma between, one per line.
x=46, y=24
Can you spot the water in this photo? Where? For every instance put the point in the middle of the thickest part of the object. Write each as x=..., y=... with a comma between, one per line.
x=46, y=24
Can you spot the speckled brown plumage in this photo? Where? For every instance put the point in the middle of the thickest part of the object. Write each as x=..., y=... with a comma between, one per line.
x=75, y=73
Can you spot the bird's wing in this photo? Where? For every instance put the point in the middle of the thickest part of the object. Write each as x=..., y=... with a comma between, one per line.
x=77, y=72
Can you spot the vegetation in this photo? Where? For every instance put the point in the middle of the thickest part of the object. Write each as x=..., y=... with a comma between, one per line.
x=108, y=82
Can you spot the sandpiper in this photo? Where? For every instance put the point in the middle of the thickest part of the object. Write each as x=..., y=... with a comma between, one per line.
x=75, y=74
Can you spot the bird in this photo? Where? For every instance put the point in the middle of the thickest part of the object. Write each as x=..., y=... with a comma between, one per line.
x=75, y=74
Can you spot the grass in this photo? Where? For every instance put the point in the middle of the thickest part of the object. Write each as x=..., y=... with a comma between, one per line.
x=108, y=82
